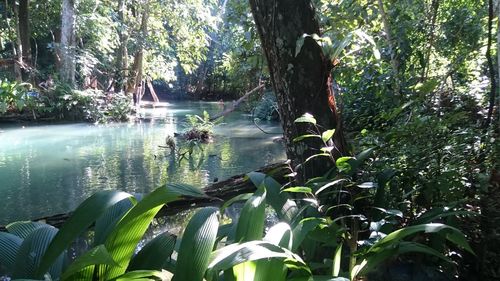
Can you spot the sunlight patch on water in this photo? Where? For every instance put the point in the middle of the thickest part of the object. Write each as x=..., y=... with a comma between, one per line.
x=50, y=169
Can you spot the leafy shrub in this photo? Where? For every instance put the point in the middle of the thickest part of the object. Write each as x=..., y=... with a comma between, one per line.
x=334, y=227
x=14, y=96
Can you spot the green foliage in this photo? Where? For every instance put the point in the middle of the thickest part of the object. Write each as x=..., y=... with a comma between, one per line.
x=14, y=96
x=41, y=248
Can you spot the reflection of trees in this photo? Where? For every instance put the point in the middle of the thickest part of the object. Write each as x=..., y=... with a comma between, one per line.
x=52, y=169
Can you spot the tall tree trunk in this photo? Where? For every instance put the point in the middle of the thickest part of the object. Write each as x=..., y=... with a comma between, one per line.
x=138, y=66
x=432, y=36
x=68, y=66
x=121, y=54
x=24, y=31
x=302, y=82
x=491, y=66
x=17, y=48
x=392, y=49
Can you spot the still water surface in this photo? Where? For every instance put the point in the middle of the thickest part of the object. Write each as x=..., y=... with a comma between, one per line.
x=50, y=169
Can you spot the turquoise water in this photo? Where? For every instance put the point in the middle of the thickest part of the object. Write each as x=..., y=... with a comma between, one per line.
x=50, y=169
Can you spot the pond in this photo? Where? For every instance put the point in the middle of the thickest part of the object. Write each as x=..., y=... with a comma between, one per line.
x=50, y=169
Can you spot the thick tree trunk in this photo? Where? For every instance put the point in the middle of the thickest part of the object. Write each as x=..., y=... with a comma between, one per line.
x=301, y=82
x=68, y=66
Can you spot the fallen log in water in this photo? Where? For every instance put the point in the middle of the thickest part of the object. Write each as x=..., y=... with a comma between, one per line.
x=217, y=193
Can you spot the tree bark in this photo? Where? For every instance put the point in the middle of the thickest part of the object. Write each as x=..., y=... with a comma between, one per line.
x=138, y=66
x=17, y=49
x=122, y=53
x=24, y=31
x=68, y=66
x=302, y=82
x=432, y=36
x=491, y=66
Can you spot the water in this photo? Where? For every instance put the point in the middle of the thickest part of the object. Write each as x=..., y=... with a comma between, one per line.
x=50, y=169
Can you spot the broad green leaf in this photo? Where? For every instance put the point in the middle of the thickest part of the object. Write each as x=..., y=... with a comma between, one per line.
x=234, y=254
x=344, y=164
x=250, y=226
x=154, y=254
x=31, y=251
x=336, y=260
x=251, y=222
x=303, y=137
x=298, y=189
x=280, y=234
x=438, y=213
x=302, y=229
x=367, y=185
x=122, y=241
x=299, y=44
x=107, y=221
x=23, y=228
x=196, y=245
x=237, y=198
x=328, y=185
x=327, y=135
x=319, y=278
x=285, y=208
x=9, y=246
x=95, y=256
x=451, y=233
x=152, y=275
x=306, y=118
x=86, y=213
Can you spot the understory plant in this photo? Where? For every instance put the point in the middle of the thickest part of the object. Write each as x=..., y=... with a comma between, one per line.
x=333, y=227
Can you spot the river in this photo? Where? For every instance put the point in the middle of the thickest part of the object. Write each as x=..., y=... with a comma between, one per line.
x=50, y=169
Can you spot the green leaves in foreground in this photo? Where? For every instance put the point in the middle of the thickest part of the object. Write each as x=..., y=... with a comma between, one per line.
x=392, y=245
x=82, y=218
x=121, y=240
x=197, y=245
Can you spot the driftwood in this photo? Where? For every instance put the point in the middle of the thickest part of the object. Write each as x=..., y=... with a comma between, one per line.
x=217, y=193
x=236, y=103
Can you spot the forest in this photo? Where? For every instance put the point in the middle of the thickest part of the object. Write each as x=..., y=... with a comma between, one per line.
x=235, y=140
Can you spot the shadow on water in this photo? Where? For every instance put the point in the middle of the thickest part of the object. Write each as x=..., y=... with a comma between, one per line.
x=50, y=169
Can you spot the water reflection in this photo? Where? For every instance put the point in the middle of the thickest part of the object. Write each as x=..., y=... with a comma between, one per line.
x=50, y=169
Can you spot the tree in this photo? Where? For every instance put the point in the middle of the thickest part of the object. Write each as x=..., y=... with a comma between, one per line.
x=122, y=52
x=68, y=66
x=24, y=31
x=301, y=78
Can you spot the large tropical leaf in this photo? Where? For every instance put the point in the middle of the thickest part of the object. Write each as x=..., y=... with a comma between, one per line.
x=234, y=254
x=274, y=269
x=9, y=246
x=122, y=241
x=197, y=245
x=154, y=254
x=31, y=251
x=452, y=234
x=95, y=256
x=23, y=228
x=107, y=221
x=152, y=275
x=251, y=222
x=81, y=219
x=285, y=208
